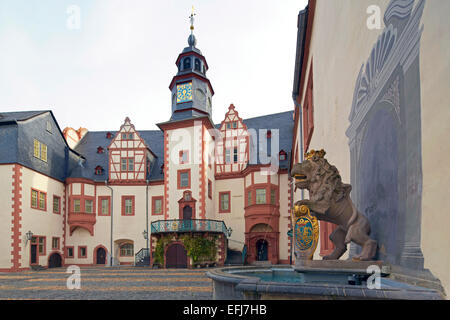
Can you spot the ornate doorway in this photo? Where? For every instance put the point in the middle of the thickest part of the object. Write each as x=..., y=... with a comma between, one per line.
x=176, y=256
x=101, y=256
x=262, y=251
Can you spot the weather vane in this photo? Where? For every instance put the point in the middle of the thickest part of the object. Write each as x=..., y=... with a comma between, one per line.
x=191, y=17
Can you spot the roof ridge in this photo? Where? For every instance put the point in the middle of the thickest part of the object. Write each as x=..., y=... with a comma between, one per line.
x=270, y=114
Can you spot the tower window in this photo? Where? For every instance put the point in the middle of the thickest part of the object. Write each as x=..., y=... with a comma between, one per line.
x=197, y=65
x=187, y=63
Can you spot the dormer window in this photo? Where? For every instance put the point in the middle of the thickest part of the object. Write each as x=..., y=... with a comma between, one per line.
x=109, y=135
x=269, y=134
x=100, y=150
x=197, y=65
x=187, y=63
x=282, y=155
x=98, y=170
x=49, y=127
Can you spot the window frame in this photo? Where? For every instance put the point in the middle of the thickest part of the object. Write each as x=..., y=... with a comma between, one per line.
x=67, y=252
x=58, y=243
x=123, y=245
x=124, y=200
x=100, y=205
x=154, y=199
x=59, y=204
x=85, y=251
x=221, y=209
x=179, y=173
x=38, y=198
x=265, y=195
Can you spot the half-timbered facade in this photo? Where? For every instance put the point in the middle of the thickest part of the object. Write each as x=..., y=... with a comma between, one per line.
x=133, y=196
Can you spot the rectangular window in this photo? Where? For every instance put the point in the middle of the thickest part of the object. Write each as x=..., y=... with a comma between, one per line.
x=56, y=204
x=42, y=200
x=234, y=125
x=224, y=202
x=38, y=200
x=76, y=205
x=228, y=125
x=82, y=252
x=41, y=245
x=40, y=150
x=37, y=149
x=34, y=198
x=157, y=203
x=128, y=205
x=130, y=164
x=88, y=206
x=272, y=196
x=184, y=179
x=227, y=156
x=127, y=164
x=260, y=196
x=69, y=252
x=55, y=243
x=249, y=198
x=235, y=155
x=103, y=206
x=127, y=136
x=126, y=250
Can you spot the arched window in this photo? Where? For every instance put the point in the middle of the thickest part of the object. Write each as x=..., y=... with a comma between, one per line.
x=187, y=63
x=197, y=65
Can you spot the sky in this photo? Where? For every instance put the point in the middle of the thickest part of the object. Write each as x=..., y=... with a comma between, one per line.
x=117, y=59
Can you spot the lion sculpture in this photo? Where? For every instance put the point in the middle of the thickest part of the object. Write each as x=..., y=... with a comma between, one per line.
x=330, y=201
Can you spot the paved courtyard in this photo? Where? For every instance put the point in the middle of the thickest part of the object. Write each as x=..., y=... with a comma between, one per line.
x=108, y=283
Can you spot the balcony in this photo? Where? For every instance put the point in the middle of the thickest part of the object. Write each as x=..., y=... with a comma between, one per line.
x=195, y=225
x=82, y=220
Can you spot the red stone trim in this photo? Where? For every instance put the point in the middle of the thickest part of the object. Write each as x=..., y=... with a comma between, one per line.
x=166, y=175
x=16, y=217
x=183, y=203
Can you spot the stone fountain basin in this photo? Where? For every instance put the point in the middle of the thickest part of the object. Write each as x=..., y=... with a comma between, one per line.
x=284, y=282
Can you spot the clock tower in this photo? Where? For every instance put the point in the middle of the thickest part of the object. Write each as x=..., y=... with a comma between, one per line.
x=191, y=90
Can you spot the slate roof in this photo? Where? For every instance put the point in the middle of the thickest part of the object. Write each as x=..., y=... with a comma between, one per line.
x=67, y=163
x=94, y=139
x=12, y=117
x=155, y=140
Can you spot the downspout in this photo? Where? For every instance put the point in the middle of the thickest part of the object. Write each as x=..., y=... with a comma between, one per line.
x=111, y=233
x=146, y=216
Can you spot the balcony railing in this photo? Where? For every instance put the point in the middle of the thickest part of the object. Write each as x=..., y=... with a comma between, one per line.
x=195, y=225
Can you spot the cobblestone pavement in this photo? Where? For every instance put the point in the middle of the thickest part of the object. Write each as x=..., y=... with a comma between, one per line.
x=106, y=283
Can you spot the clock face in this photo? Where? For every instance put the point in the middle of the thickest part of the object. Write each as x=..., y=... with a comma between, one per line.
x=184, y=92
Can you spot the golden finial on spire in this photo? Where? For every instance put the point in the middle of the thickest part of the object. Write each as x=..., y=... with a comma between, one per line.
x=191, y=17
